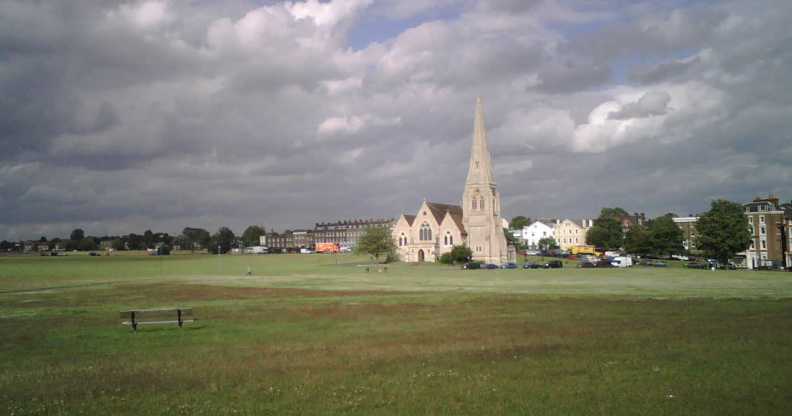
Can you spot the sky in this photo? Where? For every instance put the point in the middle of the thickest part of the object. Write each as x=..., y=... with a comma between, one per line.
x=122, y=116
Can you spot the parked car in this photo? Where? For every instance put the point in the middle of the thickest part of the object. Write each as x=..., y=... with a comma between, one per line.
x=509, y=266
x=491, y=266
x=532, y=252
x=697, y=265
x=472, y=265
x=554, y=264
x=530, y=265
x=603, y=263
x=585, y=264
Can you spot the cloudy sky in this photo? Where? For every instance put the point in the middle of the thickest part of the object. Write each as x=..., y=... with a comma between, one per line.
x=118, y=116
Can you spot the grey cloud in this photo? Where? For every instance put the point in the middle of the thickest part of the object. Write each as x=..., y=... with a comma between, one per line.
x=653, y=103
x=664, y=71
x=119, y=128
x=571, y=76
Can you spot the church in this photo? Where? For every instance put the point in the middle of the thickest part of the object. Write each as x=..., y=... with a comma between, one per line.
x=436, y=228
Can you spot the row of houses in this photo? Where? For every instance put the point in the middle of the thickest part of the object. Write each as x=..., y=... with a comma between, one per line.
x=770, y=223
x=566, y=232
x=345, y=233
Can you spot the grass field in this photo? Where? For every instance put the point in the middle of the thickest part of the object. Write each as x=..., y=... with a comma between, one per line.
x=317, y=334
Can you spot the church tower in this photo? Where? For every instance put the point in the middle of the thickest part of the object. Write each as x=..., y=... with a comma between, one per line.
x=481, y=200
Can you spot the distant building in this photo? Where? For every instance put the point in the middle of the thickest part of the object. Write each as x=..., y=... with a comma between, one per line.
x=346, y=232
x=766, y=219
x=628, y=221
x=531, y=234
x=688, y=227
x=477, y=223
x=569, y=233
x=280, y=241
x=434, y=230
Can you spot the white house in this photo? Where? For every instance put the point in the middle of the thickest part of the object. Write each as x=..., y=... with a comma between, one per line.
x=531, y=234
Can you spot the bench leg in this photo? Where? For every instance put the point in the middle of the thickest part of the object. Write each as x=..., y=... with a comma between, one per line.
x=179, y=316
x=134, y=322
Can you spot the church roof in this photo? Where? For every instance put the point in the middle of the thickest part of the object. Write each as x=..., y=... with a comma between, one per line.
x=410, y=219
x=439, y=211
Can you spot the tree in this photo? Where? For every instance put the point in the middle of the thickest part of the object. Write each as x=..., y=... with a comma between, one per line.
x=77, y=235
x=251, y=235
x=222, y=241
x=665, y=237
x=607, y=232
x=135, y=242
x=148, y=239
x=117, y=244
x=723, y=231
x=461, y=254
x=87, y=244
x=546, y=244
x=636, y=241
x=518, y=222
x=196, y=237
x=377, y=241
x=511, y=239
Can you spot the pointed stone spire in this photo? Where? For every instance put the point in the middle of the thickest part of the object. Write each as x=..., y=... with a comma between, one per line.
x=480, y=168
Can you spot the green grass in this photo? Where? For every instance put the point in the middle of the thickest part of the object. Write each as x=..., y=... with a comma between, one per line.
x=305, y=335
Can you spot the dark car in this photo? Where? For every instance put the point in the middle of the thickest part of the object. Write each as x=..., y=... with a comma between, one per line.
x=554, y=264
x=472, y=265
x=530, y=265
x=509, y=266
x=587, y=265
x=697, y=265
x=93, y=253
x=604, y=263
x=491, y=266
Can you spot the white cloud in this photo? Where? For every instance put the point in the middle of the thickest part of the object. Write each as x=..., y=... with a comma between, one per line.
x=329, y=13
x=349, y=125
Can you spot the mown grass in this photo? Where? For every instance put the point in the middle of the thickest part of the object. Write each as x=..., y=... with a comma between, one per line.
x=363, y=348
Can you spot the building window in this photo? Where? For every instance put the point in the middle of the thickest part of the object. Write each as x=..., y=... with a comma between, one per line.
x=475, y=203
x=425, y=233
x=764, y=244
x=761, y=219
x=450, y=240
x=445, y=240
x=762, y=230
x=481, y=204
x=750, y=220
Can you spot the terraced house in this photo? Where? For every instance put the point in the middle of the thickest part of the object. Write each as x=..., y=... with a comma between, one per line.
x=570, y=233
x=770, y=224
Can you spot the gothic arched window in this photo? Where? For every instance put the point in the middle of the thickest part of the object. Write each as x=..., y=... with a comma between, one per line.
x=474, y=204
x=425, y=232
x=481, y=203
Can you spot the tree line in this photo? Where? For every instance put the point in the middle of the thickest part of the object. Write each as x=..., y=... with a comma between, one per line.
x=191, y=238
x=721, y=233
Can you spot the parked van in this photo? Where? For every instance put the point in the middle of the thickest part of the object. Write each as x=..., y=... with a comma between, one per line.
x=622, y=261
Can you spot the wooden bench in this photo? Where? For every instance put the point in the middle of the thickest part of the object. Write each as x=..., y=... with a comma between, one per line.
x=163, y=316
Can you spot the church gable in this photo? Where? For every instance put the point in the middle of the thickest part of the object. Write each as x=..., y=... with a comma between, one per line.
x=451, y=231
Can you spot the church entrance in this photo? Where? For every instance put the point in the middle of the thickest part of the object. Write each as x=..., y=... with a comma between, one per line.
x=420, y=256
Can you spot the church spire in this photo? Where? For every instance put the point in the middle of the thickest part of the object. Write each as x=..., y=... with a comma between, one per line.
x=480, y=168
